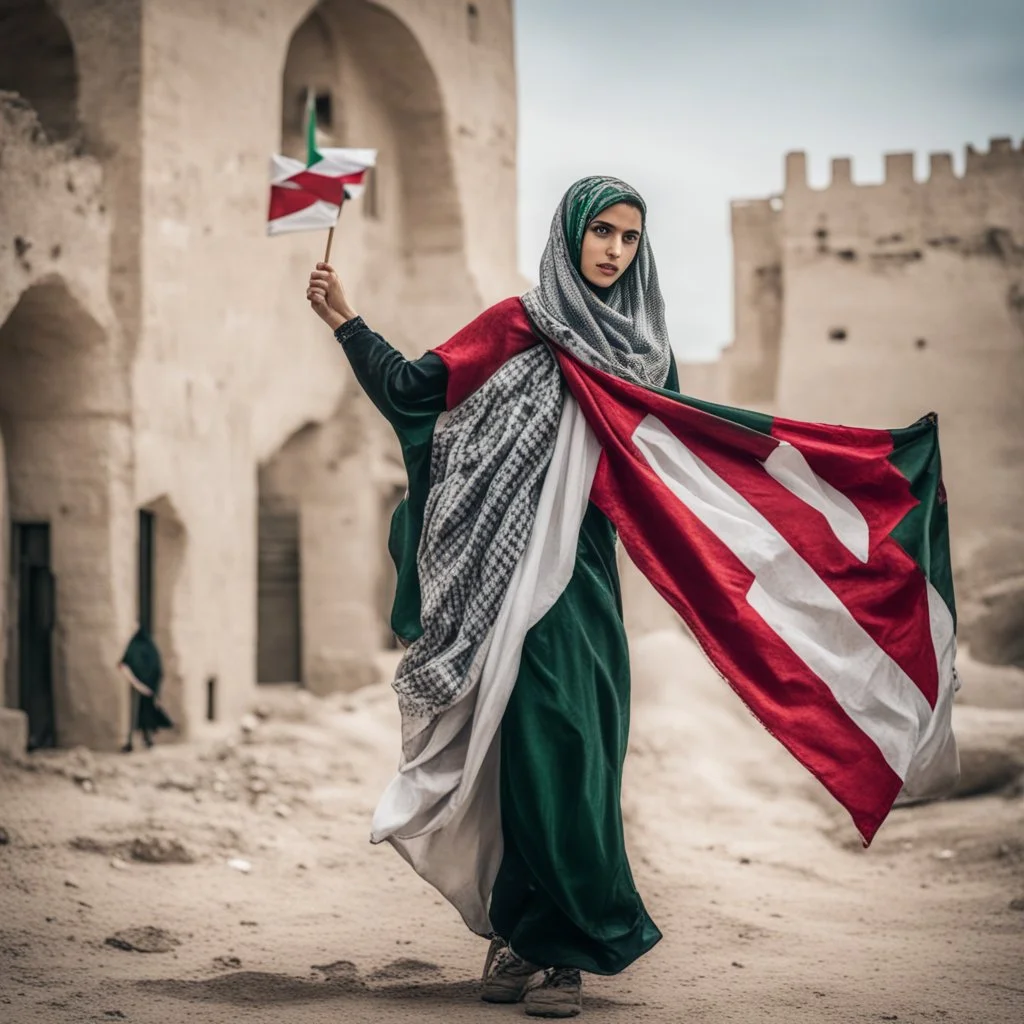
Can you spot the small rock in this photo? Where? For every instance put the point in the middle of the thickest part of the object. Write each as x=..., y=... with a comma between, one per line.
x=248, y=724
x=115, y=1014
x=889, y=1016
x=257, y=786
x=736, y=963
x=239, y=864
x=218, y=786
x=5, y=837
x=340, y=972
x=249, y=924
x=1017, y=904
x=179, y=782
x=744, y=860
x=88, y=786
x=118, y=864
x=945, y=855
x=262, y=711
x=70, y=883
x=231, y=963
x=160, y=850
x=143, y=940
x=225, y=750
x=282, y=810
x=301, y=866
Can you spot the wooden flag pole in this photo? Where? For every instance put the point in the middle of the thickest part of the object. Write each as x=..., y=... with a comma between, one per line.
x=330, y=235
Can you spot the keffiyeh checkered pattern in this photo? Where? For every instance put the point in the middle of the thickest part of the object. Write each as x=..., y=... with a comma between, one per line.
x=490, y=454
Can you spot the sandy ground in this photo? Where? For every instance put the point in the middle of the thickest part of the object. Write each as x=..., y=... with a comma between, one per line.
x=771, y=910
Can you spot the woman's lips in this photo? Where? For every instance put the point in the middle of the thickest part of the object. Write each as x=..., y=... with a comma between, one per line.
x=608, y=269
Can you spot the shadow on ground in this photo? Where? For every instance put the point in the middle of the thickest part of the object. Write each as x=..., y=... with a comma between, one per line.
x=249, y=988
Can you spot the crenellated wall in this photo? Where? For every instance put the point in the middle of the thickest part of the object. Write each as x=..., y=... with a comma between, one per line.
x=897, y=298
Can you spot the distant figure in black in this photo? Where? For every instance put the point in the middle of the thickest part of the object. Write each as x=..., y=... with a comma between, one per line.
x=142, y=667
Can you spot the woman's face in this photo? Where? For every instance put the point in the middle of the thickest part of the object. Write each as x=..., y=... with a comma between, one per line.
x=610, y=244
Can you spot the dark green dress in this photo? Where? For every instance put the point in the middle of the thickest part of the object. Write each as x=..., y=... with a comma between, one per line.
x=564, y=895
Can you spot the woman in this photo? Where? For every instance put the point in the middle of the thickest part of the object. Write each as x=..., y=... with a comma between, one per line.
x=499, y=464
x=141, y=666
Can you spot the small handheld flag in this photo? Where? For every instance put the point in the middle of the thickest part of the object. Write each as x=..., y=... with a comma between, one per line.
x=309, y=196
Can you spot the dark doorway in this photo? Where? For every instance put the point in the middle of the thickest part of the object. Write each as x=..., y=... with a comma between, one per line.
x=147, y=533
x=37, y=608
x=279, y=620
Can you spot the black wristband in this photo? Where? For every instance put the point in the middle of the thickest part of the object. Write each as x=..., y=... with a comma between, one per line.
x=350, y=327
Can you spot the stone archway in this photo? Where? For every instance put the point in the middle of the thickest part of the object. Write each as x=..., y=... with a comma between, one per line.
x=37, y=61
x=63, y=414
x=323, y=553
x=375, y=87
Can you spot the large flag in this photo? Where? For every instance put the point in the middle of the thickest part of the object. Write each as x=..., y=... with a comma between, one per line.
x=812, y=564
x=308, y=196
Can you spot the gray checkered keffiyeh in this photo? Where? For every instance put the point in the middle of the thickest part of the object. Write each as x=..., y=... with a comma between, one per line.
x=491, y=453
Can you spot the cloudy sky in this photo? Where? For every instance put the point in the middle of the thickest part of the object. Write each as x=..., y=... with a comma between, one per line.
x=695, y=102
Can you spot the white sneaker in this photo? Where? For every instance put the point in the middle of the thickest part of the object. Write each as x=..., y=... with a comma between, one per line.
x=560, y=994
x=506, y=976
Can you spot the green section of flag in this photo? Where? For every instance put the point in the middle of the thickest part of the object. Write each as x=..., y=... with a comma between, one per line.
x=758, y=421
x=313, y=155
x=924, y=531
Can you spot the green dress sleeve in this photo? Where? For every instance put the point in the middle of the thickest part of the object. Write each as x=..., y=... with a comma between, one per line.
x=410, y=395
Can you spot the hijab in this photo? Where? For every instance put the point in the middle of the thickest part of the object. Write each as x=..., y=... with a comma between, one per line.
x=620, y=329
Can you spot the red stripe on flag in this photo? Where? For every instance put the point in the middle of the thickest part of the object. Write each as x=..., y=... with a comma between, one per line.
x=328, y=188
x=284, y=201
x=887, y=595
x=669, y=544
x=791, y=701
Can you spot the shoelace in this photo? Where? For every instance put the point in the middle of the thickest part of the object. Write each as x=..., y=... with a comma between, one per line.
x=559, y=976
x=496, y=946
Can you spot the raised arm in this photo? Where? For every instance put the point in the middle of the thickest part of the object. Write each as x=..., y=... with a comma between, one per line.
x=409, y=393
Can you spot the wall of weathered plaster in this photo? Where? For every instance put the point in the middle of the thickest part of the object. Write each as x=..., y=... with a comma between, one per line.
x=751, y=363
x=898, y=299
x=231, y=363
x=151, y=214
x=64, y=411
x=921, y=277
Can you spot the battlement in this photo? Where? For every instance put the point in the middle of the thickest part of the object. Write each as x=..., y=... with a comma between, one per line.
x=1001, y=155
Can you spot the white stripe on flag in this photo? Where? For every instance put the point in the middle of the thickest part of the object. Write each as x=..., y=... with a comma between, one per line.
x=312, y=218
x=788, y=467
x=935, y=768
x=879, y=697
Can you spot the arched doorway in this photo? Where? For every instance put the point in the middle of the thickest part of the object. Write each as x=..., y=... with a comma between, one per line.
x=375, y=87
x=37, y=61
x=160, y=559
x=67, y=446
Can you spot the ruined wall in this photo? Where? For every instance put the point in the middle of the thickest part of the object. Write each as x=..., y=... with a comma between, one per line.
x=751, y=362
x=231, y=363
x=68, y=120
x=901, y=298
x=136, y=217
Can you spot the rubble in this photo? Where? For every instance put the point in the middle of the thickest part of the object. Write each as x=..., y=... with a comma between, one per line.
x=147, y=939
